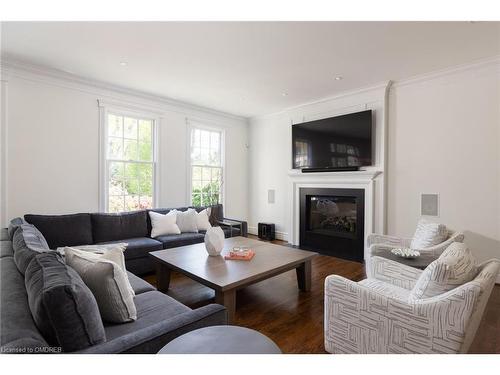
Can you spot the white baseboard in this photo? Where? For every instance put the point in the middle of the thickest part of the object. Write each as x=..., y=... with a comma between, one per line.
x=283, y=236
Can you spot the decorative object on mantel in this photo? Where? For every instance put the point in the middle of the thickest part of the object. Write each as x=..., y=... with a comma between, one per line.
x=214, y=241
x=406, y=252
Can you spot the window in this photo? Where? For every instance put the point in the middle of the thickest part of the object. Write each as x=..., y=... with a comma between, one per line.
x=206, y=166
x=130, y=163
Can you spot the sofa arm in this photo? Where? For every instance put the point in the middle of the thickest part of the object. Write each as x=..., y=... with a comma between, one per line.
x=243, y=225
x=362, y=320
x=394, y=273
x=150, y=339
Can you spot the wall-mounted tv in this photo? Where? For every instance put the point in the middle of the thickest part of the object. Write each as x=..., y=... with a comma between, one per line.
x=335, y=143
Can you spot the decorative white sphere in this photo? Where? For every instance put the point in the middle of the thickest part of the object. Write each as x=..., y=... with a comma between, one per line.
x=214, y=241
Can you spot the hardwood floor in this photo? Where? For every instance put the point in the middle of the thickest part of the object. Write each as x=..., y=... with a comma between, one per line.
x=294, y=319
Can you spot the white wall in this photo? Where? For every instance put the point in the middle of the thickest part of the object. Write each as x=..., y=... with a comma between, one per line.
x=52, y=146
x=443, y=137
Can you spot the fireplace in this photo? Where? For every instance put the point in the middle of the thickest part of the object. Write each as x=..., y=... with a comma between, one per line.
x=332, y=221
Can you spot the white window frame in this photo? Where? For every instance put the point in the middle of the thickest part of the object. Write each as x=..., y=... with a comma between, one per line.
x=104, y=111
x=204, y=125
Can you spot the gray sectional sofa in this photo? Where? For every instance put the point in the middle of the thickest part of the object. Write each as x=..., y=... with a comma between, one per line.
x=30, y=267
x=133, y=228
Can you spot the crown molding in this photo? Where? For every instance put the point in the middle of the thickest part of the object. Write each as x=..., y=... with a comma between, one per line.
x=380, y=86
x=478, y=64
x=14, y=68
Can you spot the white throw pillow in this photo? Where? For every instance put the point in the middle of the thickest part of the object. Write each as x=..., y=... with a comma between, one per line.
x=428, y=234
x=162, y=225
x=187, y=220
x=98, y=249
x=455, y=266
x=202, y=221
x=108, y=282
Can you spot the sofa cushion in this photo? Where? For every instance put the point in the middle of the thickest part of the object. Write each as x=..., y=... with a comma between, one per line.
x=107, y=281
x=138, y=247
x=63, y=230
x=428, y=234
x=62, y=306
x=183, y=239
x=202, y=219
x=163, y=224
x=454, y=267
x=4, y=235
x=162, y=211
x=112, y=227
x=6, y=249
x=18, y=331
x=152, y=308
x=27, y=243
x=13, y=225
x=139, y=285
x=187, y=221
x=113, y=253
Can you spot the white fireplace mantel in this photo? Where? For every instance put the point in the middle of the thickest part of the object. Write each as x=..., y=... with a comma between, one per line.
x=365, y=179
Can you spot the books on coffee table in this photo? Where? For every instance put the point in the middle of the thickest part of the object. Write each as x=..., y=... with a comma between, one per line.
x=240, y=254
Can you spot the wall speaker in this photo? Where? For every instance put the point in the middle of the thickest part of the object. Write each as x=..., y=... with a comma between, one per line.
x=429, y=204
x=270, y=196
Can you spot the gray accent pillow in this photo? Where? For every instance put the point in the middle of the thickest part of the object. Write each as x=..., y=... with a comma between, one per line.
x=27, y=243
x=13, y=225
x=106, y=277
x=187, y=221
x=63, y=308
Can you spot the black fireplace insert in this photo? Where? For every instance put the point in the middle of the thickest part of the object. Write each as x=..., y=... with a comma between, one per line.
x=332, y=221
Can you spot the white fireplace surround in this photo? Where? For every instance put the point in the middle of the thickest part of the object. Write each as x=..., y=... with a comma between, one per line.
x=366, y=180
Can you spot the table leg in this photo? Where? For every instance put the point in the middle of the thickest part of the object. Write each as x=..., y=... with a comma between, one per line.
x=162, y=277
x=304, y=276
x=228, y=300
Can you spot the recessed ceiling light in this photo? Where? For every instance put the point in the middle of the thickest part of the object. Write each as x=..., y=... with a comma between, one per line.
x=123, y=63
x=339, y=78
x=284, y=94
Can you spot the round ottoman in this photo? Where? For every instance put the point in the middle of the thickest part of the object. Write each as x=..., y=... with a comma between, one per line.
x=221, y=340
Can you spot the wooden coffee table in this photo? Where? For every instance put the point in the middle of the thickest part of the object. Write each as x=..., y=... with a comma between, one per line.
x=227, y=276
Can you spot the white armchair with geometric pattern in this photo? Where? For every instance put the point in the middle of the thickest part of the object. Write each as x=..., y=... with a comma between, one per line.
x=381, y=245
x=377, y=315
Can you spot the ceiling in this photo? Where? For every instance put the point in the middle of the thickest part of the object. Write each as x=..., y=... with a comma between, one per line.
x=249, y=68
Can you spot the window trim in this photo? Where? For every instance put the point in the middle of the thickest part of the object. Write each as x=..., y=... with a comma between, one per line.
x=210, y=126
x=104, y=111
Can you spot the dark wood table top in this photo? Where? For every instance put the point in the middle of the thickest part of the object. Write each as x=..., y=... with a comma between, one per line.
x=221, y=274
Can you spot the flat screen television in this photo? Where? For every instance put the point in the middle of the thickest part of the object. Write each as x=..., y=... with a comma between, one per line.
x=335, y=143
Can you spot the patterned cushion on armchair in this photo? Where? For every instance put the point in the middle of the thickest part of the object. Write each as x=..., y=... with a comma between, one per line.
x=455, y=266
x=428, y=234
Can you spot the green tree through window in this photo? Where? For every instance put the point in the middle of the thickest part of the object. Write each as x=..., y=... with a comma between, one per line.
x=206, y=166
x=130, y=163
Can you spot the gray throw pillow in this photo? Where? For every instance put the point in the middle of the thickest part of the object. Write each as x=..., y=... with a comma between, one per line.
x=13, y=225
x=27, y=243
x=63, y=308
x=187, y=221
